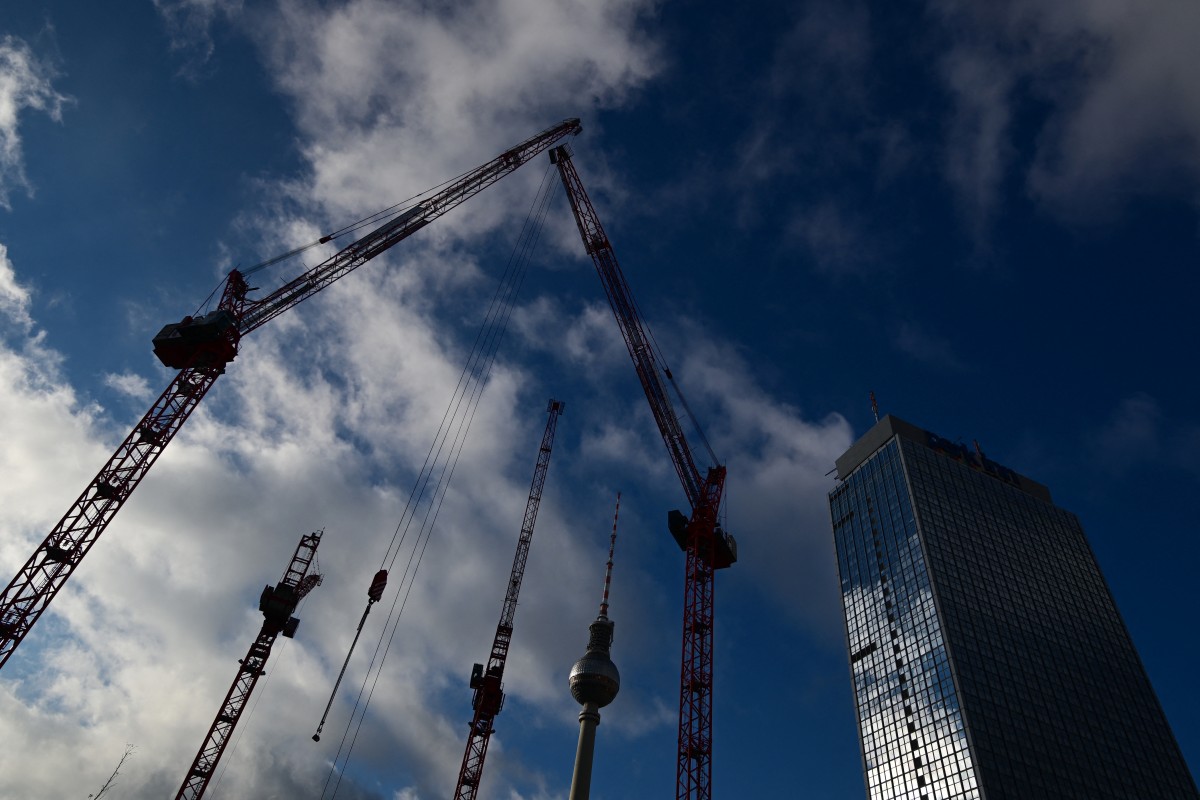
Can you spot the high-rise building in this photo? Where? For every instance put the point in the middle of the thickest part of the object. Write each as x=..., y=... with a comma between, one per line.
x=988, y=657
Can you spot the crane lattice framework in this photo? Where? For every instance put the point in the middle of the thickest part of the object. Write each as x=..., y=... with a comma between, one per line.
x=488, y=682
x=200, y=349
x=277, y=604
x=707, y=547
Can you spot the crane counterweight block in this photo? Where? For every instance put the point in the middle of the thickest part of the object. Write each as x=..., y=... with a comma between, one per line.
x=210, y=341
x=724, y=546
x=207, y=341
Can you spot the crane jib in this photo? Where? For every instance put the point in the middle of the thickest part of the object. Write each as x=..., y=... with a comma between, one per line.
x=487, y=683
x=277, y=604
x=202, y=350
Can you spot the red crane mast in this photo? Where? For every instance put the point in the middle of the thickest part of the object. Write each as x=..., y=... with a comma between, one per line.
x=488, y=683
x=200, y=349
x=707, y=547
x=277, y=604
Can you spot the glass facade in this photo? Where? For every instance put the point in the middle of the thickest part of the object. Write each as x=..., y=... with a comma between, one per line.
x=988, y=658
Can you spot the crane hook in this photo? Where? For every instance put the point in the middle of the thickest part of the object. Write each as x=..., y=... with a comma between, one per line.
x=374, y=595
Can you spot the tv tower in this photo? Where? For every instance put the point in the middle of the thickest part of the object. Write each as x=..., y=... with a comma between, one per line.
x=594, y=681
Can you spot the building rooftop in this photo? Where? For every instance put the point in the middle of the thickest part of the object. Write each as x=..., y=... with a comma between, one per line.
x=891, y=426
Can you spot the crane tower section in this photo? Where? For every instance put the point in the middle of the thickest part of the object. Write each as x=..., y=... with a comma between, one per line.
x=278, y=604
x=488, y=681
x=706, y=546
x=201, y=348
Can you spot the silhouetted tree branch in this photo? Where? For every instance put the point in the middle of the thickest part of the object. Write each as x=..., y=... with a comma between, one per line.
x=129, y=748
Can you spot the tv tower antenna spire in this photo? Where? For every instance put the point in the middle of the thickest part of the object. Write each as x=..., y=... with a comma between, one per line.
x=612, y=544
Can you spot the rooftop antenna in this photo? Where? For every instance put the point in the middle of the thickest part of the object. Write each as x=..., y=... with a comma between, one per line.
x=874, y=406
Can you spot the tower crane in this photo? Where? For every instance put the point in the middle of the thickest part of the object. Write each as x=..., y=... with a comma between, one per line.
x=277, y=603
x=487, y=682
x=707, y=547
x=201, y=348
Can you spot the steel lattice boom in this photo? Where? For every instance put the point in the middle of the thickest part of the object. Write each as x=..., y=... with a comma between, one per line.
x=707, y=547
x=28, y=594
x=201, y=349
x=277, y=603
x=411, y=221
x=488, y=683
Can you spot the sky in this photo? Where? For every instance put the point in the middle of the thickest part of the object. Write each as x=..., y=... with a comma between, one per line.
x=984, y=213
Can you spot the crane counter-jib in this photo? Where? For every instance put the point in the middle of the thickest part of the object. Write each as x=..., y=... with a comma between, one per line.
x=201, y=349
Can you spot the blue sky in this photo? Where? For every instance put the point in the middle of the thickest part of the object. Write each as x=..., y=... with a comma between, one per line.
x=987, y=216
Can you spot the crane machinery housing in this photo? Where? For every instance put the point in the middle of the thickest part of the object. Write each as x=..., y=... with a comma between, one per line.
x=277, y=603
x=487, y=682
x=201, y=348
x=707, y=547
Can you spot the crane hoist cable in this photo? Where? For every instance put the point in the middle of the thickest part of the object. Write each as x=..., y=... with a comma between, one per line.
x=433, y=481
x=394, y=210
x=666, y=370
x=504, y=301
x=379, y=216
x=688, y=410
x=503, y=297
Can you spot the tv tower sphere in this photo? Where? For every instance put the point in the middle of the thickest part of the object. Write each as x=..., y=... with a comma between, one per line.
x=594, y=678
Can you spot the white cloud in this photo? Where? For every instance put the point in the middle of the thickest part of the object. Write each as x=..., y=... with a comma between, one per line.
x=836, y=238
x=189, y=25
x=215, y=521
x=129, y=384
x=394, y=96
x=1118, y=87
x=928, y=348
x=776, y=488
x=14, y=298
x=586, y=337
x=1140, y=434
x=1132, y=435
x=26, y=82
x=978, y=148
x=829, y=46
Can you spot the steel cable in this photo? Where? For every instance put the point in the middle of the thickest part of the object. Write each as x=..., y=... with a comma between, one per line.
x=437, y=471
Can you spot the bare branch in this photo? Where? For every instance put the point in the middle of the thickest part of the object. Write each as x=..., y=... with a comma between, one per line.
x=129, y=748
